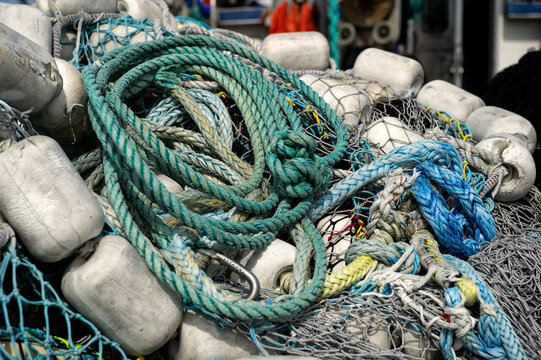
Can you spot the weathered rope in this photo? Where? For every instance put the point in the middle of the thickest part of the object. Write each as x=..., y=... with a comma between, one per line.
x=290, y=156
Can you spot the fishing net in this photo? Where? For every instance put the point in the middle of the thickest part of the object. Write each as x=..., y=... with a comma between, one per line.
x=386, y=292
x=37, y=323
x=510, y=265
x=14, y=124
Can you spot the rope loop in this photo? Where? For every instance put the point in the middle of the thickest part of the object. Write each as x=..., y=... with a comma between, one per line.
x=298, y=171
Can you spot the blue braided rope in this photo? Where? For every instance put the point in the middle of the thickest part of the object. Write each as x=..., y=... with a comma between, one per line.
x=409, y=155
x=494, y=337
x=450, y=227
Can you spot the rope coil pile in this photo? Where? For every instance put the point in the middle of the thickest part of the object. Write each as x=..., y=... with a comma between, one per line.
x=257, y=155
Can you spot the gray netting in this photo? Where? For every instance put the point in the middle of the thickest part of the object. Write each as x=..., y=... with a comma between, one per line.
x=511, y=266
x=395, y=310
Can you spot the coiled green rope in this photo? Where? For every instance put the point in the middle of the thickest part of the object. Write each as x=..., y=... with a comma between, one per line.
x=279, y=144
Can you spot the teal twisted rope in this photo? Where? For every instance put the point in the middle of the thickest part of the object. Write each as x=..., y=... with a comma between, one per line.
x=334, y=33
x=494, y=337
x=130, y=148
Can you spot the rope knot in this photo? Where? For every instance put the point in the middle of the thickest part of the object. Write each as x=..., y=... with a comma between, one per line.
x=297, y=170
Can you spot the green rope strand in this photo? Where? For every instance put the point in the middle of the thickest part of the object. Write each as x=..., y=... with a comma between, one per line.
x=150, y=216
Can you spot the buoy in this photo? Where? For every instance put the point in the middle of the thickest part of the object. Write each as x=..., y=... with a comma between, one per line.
x=389, y=133
x=65, y=119
x=403, y=74
x=69, y=7
x=140, y=9
x=337, y=232
x=372, y=330
x=45, y=200
x=269, y=263
x=489, y=120
x=29, y=78
x=30, y=22
x=517, y=160
x=169, y=183
x=298, y=50
x=444, y=96
x=354, y=106
x=115, y=290
x=103, y=42
x=279, y=357
x=201, y=339
x=419, y=345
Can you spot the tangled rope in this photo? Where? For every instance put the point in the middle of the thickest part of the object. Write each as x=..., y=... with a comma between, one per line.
x=129, y=147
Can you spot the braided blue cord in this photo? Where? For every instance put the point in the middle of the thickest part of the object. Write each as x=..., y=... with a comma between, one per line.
x=449, y=227
x=413, y=154
x=494, y=337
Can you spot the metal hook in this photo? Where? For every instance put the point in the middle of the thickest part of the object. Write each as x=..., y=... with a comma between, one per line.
x=237, y=268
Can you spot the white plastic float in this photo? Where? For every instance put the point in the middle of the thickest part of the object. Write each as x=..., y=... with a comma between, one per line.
x=389, y=133
x=404, y=75
x=354, y=106
x=140, y=9
x=444, y=96
x=278, y=357
x=69, y=7
x=97, y=38
x=65, y=119
x=269, y=263
x=45, y=200
x=201, y=339
x=368, y=329
x=418, y=345
x=298, y=50
x=517, y=160
x=29, y=76
x=489, y=120
x=331, y=228
x=30, y=22
x=115, y=290
x=166, y=181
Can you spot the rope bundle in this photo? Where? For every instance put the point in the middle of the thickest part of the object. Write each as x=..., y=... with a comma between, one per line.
x=130, y=147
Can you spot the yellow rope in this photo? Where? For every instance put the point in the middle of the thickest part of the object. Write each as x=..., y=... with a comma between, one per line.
x=347, y=276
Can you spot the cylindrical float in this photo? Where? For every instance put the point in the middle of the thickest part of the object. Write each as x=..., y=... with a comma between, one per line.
x=45, y=200
x=69, y=7
x=403, y=74
x=103, y=41
x=201, y=339
x=30, y=22
x=29, y=76
x=444, y=96
x=389, y=133
x=66, y=119
x=337, y=232
x=269, y=263
x=115, y=290
x=489, y=120
x=353, y=105
x=419, y=345
x=517, y=160
x=140, y=9
x=298, y=50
